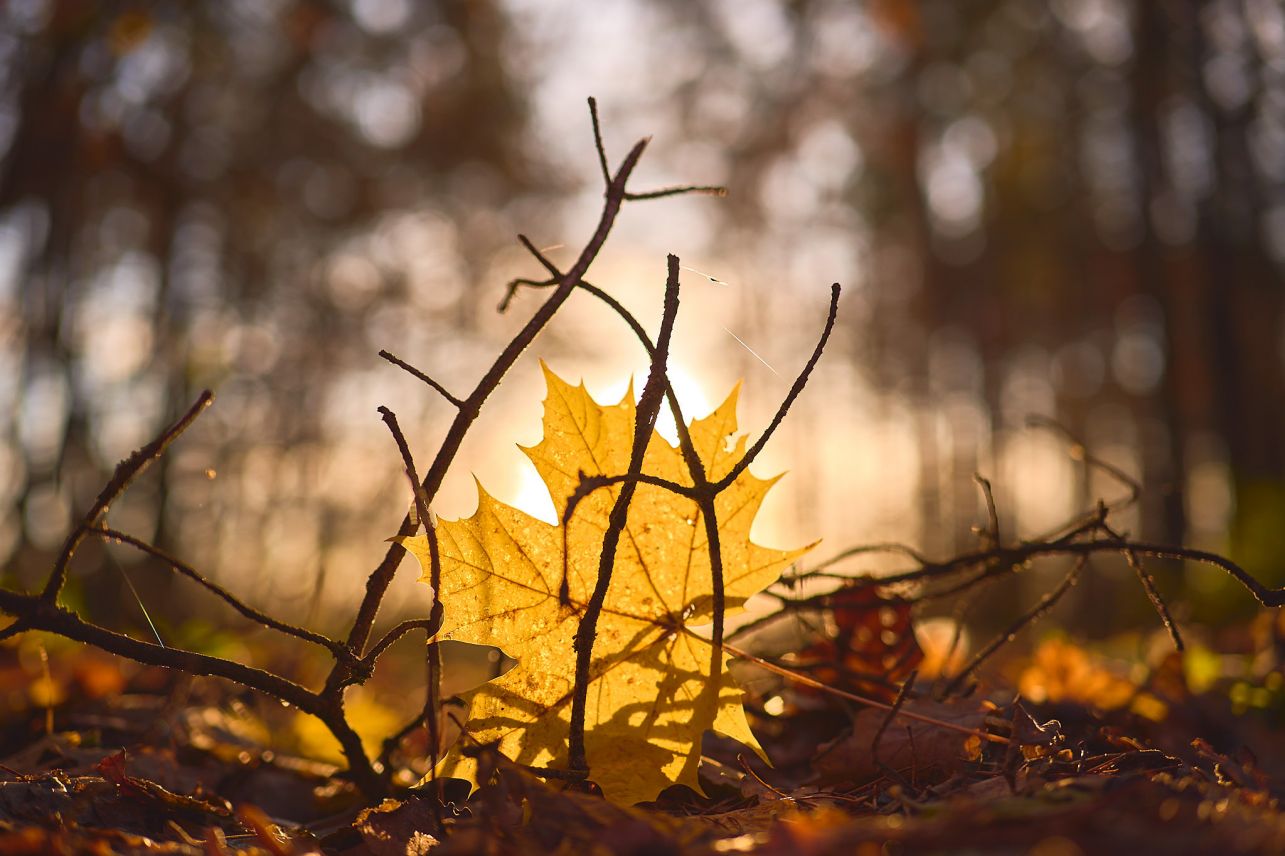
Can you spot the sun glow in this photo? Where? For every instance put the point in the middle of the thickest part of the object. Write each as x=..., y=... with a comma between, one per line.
x=527, y=491
x=691, y=399
x=531, y=495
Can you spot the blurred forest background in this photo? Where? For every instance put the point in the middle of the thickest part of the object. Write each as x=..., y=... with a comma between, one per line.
x=1073, y=209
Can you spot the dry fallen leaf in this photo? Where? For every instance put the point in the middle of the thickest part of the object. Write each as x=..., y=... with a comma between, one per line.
x=929, y=752
x=873, y=650
x=651, y=695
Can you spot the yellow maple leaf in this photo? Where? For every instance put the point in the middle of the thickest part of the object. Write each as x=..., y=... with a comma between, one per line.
x=651, y=694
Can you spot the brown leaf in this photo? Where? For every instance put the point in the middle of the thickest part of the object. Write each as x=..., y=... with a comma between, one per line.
x=397, y=828
x=874, y=648
x=918, y=750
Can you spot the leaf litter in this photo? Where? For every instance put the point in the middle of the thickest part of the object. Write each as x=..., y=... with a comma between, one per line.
x=1059, y=751
x=1204, y=777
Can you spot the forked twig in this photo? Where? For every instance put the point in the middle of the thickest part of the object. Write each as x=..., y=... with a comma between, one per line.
x=126, y=471
x=255, y=615
x=42, y=612
x=416, y=373
x=644, y=423
x=471, y=407
x=355, y=657
x=1035, y=613
x=676, y=190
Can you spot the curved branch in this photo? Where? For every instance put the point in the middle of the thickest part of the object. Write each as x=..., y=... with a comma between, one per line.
x=419, y=375
x=1035, y=613
x=800, y=382
x=126, y=471
x=182, y=568
x=471, y=407
x=684, y=434
x=428, y=625
x=586, y=486
x=38, y=614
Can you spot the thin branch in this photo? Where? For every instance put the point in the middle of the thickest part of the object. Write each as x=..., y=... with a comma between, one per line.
x=1080, y=452
x=678, y=190
x=511, y=290
x=379, y=580
x=644, y=423
x=1035, y=613
x=539, y=256
x=39, y=614
x=797, y=388
x=597, y=141
x=432, y=655
x=902, y=695
x=407, y=367
x=422, y=508
x=795, y=677
x=694, y=465
x=583, y=490
x=992, y=514
x=184, y=569
x=126, y=471
x=588, y=484
x=1153, y=592
x=428, y=625
x=1014, y=557
x=907, y=551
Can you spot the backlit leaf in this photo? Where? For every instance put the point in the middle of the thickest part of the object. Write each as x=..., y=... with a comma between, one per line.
x=651, y=694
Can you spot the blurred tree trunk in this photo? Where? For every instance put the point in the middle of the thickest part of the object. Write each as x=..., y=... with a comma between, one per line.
x=1244, y=306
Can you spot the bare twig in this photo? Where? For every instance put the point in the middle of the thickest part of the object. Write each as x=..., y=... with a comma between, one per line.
x=42, y=612
x=1080, y=452
x=902, y=549
x=694, y=465
x=992, y=515
x=597, y=141
x=644, y=423
x=432, y=653
x=38, y=614
x=255, y=615
x=677, y=190
x=902, y=695
x=1047, y=602
x=471, y=407
x=407, y=367
x=428, y=625
x=1149, y=586
x=126, y=471
x=800, y=382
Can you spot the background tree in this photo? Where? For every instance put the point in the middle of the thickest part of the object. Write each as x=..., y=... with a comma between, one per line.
x=1072, y=209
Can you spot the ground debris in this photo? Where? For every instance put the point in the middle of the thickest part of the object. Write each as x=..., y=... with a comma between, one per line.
x=1092, y=758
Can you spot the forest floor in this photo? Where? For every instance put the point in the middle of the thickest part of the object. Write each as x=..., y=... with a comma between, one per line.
x=1085, y=753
